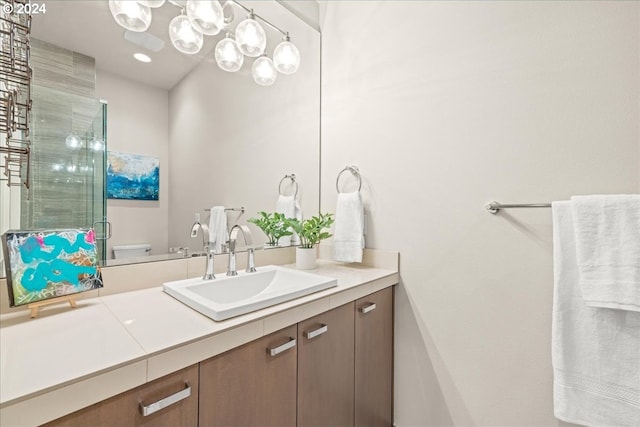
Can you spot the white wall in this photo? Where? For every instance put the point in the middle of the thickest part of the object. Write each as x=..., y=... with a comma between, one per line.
x=446, y=106
x=137, y=123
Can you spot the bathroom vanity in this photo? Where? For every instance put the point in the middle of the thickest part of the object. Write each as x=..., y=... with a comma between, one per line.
x=323, y=359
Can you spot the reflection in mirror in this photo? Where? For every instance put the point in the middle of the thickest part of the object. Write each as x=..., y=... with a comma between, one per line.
x=221, y=139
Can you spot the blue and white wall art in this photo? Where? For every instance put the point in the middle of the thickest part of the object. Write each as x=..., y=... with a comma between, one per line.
x=132, y=177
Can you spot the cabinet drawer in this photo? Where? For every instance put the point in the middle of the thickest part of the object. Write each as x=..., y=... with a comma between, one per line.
x=168, y=401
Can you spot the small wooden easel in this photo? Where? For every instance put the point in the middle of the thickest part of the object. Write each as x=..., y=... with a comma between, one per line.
x=34, y=306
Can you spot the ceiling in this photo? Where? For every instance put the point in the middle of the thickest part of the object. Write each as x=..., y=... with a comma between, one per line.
x=87, y=27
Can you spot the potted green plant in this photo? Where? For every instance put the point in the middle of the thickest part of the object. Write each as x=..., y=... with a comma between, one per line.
x=311, y=232
x=274, y=225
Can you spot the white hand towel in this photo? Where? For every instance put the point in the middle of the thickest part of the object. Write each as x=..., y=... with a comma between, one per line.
x=348, y=237
x=290, y=207
x=608, y=249
x=218, y=232
x=595, y=351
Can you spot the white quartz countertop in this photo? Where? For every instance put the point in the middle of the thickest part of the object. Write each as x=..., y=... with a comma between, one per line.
x=64, y=346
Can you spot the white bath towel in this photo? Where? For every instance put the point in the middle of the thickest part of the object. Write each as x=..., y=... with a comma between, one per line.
x=290, y=207
x=595, y=351
x=348, y=237
x=608, y=249
x=218, y=232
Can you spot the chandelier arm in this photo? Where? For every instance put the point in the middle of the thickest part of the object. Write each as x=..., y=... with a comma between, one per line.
x=246, y=9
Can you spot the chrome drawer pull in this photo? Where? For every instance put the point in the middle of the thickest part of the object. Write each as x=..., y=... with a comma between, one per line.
x=167, y=401
x=367, y=309
x=284, y=347
x=312, y=334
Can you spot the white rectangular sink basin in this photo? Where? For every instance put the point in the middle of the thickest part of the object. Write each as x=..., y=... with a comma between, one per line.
x=229, y=296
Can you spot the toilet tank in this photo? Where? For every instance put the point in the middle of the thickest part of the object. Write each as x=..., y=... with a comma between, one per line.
x=131, y=251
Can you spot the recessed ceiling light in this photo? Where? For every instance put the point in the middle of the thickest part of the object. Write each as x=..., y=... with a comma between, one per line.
x=141, y=57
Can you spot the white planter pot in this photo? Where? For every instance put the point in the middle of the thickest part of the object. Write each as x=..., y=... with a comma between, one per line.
x=306, y=258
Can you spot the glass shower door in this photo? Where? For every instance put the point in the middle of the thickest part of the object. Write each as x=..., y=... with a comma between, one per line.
x=68, y=163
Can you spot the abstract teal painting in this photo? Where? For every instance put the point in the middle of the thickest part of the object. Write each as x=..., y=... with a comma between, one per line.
x=48, y=264
x=133, y=177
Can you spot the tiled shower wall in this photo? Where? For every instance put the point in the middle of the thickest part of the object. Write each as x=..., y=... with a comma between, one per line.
x=63, y=179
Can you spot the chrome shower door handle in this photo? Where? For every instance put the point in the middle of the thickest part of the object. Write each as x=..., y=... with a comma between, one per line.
x=106, y=228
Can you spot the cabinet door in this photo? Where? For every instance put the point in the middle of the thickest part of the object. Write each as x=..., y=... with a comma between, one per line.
x=169, y=401
x=252, y=385
x=374, y=360
x=325, y=369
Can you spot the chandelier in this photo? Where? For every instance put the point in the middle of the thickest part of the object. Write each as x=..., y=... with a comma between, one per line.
x=199, y=18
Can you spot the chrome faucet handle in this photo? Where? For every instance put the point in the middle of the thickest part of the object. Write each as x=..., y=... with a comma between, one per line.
x=231, y=267
x=251, y=264
x=208, y=275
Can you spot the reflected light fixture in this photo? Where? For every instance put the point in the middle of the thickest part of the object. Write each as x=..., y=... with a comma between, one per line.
x=209, y=17
x=263, y=71
x=228, y=54
x=131, y=15
x=228, y=13
x=73, y=141
x=286, y=57
x=251, y=37
x=206, y=16
x=184, y=36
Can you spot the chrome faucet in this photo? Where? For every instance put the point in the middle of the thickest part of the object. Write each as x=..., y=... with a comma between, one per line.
x=197, y=226
x=233, y=235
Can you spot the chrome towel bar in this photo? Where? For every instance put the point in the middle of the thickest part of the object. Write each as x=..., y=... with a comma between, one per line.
x=240, y=209
x=494, y=206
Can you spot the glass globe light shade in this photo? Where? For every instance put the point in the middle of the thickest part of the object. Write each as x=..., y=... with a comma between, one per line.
x=206, y=16
x=251, y=38
x=286, y=57
x=228, y=12
x=228, y=54
x=152, y=3
x=130, y=14
x=184, y=37
x=263, y=71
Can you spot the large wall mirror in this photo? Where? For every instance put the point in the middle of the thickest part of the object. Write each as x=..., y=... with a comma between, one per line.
x=221, y=139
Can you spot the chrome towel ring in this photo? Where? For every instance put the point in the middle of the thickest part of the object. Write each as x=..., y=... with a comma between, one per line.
x=354, y=171
x=292, y=177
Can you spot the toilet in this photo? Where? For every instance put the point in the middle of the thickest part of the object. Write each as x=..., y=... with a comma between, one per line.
x=131, y=251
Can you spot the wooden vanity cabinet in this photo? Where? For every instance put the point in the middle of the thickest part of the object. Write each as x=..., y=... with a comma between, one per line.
x=374, y=360
x=326, y=368
x=334, y=369
x=124, y=410
x=252, y=385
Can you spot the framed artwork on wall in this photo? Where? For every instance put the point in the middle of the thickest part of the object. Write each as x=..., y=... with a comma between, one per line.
x=132, y=177
x=46, y=264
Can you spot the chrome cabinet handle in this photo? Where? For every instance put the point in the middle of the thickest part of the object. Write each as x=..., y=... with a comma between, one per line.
x=281, y=348
x=367, y=309
x=167, y=401
x=312, y=334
